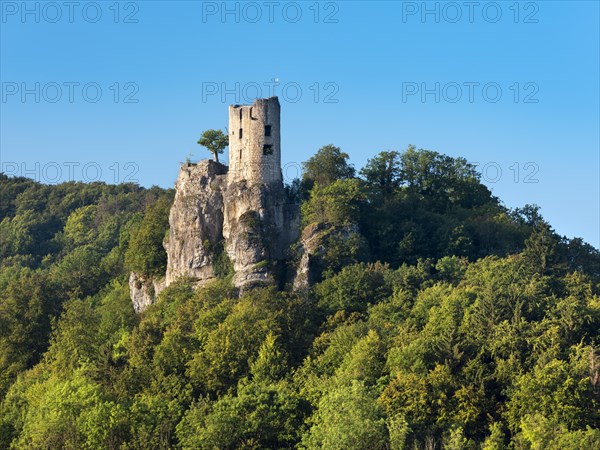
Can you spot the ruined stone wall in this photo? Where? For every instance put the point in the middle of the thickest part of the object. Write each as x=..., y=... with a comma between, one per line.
x=255, y=142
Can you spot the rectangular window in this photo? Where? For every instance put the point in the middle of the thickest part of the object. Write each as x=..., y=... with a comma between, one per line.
x=241, y=133
x=267, y=130
x=267, y=149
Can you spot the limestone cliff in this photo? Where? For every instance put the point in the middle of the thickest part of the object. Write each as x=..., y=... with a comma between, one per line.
x=239, y=213
x=196, y=221
x=253, y=225
x=260, y=224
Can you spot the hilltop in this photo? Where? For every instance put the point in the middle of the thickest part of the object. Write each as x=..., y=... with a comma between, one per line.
x=421, y=312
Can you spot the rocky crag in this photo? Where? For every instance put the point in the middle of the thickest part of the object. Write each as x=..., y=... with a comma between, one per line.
x=235, y=218
x=215, y=222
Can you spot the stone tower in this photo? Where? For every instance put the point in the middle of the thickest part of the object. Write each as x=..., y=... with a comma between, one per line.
x=254, y=142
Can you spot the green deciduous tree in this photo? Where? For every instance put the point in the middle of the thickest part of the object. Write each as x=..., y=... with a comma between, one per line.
x=27, y=303
x=382, y=172
x=337, y=203
x=146, y=254
x=270, y=365
x=562, y=391
x=215, y=141
x=328, y=165
x=260, y=416
x=355, y=287
x=74, y=341
x=71, y=414
x=348, y=417
x=228, y=348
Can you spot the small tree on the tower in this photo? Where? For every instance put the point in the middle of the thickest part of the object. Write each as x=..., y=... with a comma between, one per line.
x=215, y=141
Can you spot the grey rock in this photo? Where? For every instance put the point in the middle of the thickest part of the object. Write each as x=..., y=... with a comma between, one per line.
x=144, y=290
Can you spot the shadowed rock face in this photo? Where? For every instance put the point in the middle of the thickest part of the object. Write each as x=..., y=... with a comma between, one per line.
x=258, y=229
x=311, y=249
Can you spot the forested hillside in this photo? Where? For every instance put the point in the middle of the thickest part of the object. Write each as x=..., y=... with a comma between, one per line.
x=443, y=320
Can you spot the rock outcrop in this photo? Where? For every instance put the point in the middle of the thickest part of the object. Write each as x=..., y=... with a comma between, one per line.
x=144, y=290
x=236, y=216
x=260, y=224
x=214, y=220
x=311, y=251
x=196, y=222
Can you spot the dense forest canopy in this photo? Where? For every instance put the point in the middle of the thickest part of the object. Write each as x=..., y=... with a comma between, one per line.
x=443, y=319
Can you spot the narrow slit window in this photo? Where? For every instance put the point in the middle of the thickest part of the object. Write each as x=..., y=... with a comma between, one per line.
x=267, y=149
x=241, y=133
x=267, y=130
x=240, y=115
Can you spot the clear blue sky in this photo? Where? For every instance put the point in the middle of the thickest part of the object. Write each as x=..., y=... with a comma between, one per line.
x=374, y=58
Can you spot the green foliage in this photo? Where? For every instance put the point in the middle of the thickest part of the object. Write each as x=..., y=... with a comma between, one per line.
x=227, y=349
x=80, y=271
x=382, y=172
x=421, y=204
x=443, y=178
x=423, y=400
x=17, y=234
x=26, y=304
x=270, y=364
x=354, y=288
x=337, y=203
x=559, y=390
x=74, y=338
x=215, y=141
x=146, y=254
x=495, y=441
x=116, y=312
x=56, y=243
x=328, y=165
x=259, y=416
x=364, y=362
x=539, y=432
x=451, y=268
x=222, y=264
x=341, y=247
x=79, y=229
x=438, y=319
x=348, y=417
x=71, y=414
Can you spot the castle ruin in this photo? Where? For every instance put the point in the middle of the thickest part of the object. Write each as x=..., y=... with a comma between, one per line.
x=255, y=142
x=239, y=213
